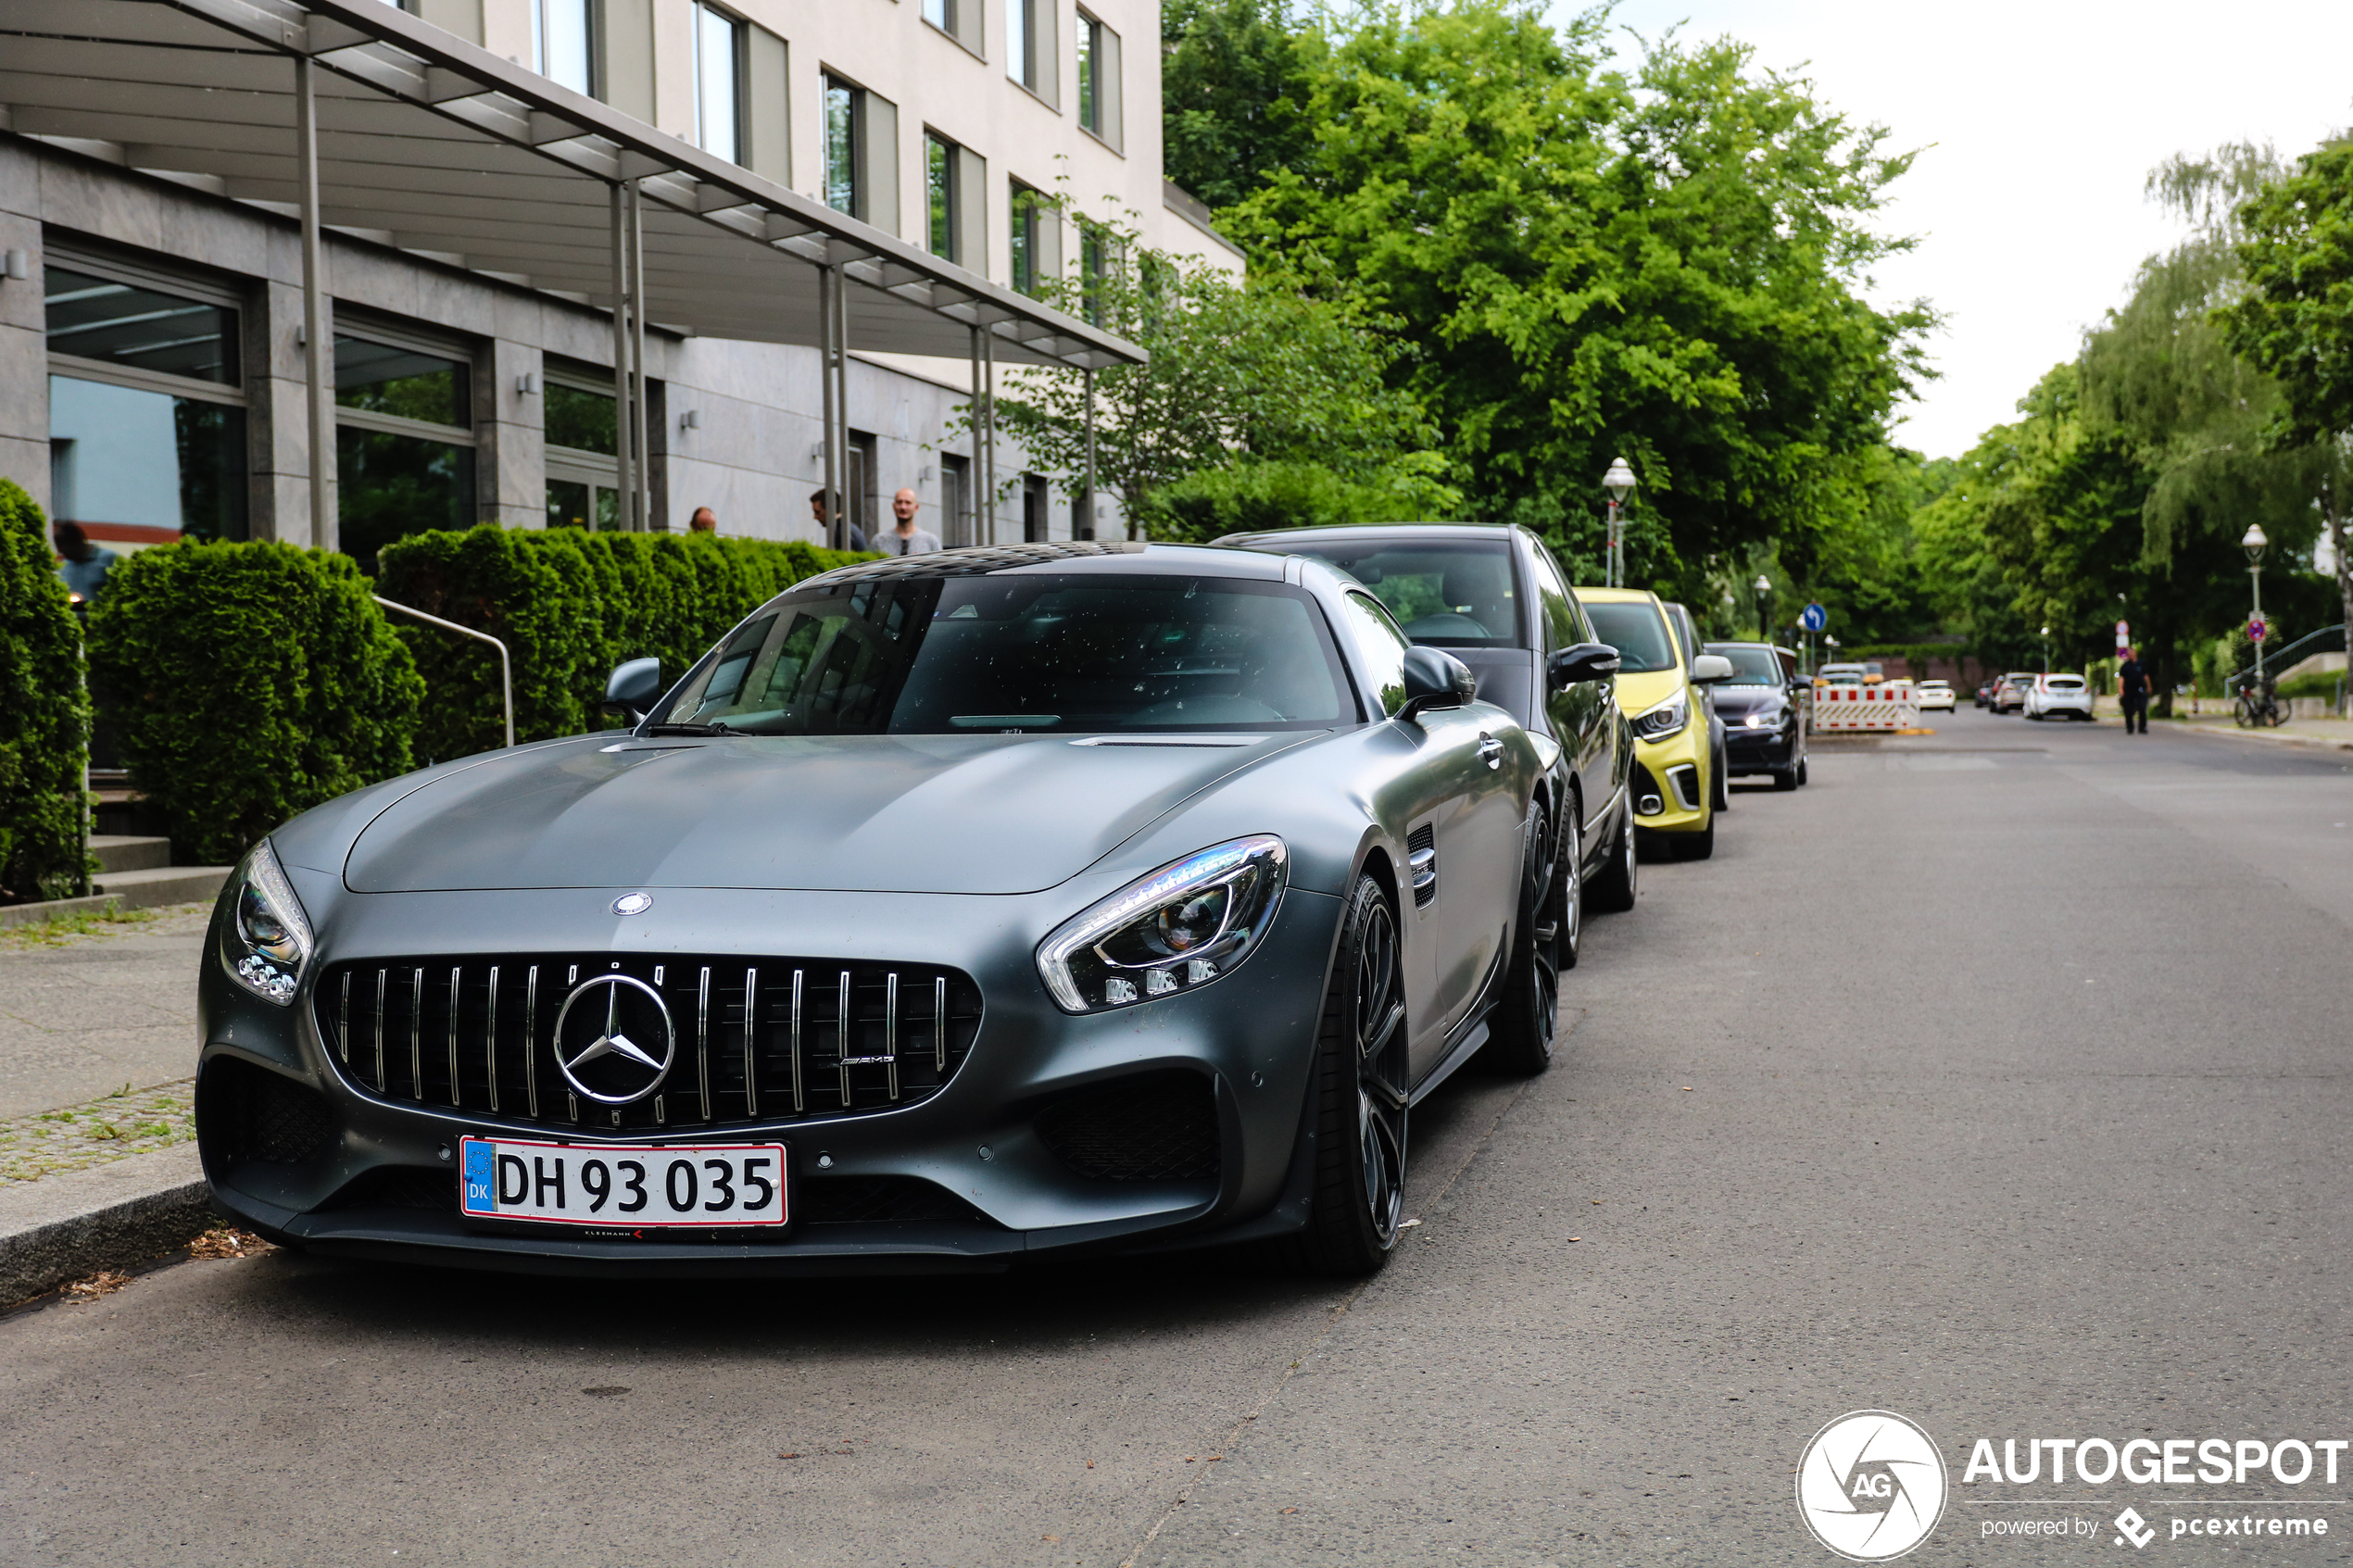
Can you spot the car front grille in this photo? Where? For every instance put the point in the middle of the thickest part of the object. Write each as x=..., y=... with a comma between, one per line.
x=819, y=1038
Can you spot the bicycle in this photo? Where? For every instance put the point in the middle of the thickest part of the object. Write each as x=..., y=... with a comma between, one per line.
x=2258, y=705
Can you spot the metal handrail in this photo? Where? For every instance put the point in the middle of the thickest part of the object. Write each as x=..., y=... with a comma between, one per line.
x=506, y=670
x=2239, y=678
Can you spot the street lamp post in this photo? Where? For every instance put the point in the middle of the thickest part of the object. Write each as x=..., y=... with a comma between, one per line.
x=2046, y=650
x=1619, y=482
x=2253, y=543
x=1764, y=586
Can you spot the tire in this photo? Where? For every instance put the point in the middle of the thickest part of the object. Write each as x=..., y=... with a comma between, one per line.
x=1520, y=1030
x=1801, y=772
x=1787, y=778
x=1614, y=888
x=1697, y=846
x=1357, y=1100
x=1719, y=787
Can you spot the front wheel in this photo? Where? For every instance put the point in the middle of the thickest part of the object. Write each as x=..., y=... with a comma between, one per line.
x=1787, y=778
x=1720, y=789
x=1524, y=1023
x=1359, y=1093
x=1697, y=846
x=2243, y=711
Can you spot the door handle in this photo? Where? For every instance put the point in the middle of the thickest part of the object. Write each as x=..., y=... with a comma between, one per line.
x=1491, y=750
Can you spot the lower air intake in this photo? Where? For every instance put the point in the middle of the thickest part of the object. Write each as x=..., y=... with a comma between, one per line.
x=1156, y=1127
x=248, y=1112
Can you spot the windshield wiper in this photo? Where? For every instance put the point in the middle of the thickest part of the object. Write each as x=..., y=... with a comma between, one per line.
x=691, y=730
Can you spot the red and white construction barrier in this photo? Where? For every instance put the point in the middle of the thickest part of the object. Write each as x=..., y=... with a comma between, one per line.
x=1890, y=705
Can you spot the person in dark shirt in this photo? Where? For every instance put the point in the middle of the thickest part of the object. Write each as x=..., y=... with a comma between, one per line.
x=2132, y=692
x=817, y=512
x=84, y=566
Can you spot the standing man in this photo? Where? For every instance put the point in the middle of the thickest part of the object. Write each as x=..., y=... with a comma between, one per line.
x=906, y=539
x=2132, y=692
x=84, y=566
x=817, y=511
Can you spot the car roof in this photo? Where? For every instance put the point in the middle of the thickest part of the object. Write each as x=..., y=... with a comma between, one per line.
x=1618, y=597
x=1076, y=555
x=1273, y=539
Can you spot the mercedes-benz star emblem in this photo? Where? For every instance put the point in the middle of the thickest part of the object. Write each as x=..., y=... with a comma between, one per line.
x=633, y=903
x=622, y=1048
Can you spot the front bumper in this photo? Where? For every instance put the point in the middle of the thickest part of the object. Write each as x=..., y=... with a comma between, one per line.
x=305, y=1150
x=1673, y=773
x=1759, y=751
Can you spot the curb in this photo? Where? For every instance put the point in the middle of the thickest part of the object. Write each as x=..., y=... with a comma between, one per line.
x=148, y=890
x=105, y=1217
x=2321, y=743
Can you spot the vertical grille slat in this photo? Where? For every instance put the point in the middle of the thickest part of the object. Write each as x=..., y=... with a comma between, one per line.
x=867, y=1037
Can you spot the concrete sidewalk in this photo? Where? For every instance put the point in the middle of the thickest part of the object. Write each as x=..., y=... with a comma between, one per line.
x=97, y=1044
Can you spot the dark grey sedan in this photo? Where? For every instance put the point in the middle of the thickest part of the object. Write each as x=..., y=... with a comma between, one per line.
x=954, y=909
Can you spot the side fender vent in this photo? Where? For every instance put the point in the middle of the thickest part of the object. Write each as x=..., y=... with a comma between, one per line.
x=1421, y=855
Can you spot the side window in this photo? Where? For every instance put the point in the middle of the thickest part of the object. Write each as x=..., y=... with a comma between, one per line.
x=1788, y=662
x=1380, y=646
x=1564, y=626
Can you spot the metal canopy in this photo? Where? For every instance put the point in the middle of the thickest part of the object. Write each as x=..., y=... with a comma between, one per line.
x=442, y=150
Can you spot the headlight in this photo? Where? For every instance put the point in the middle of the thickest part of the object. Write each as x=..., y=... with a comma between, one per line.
x=1763, y=721
x=1661, y=720
x=268, y=940
x=1181, y=927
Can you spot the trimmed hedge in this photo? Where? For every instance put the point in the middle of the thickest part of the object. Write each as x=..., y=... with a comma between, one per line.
x=45, y=715
x=569, y=605
x=248, y=682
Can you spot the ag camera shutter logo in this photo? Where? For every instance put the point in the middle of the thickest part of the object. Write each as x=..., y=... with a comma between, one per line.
x=1871, y=1485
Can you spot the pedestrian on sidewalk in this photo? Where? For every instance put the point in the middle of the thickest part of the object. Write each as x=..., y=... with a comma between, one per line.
x=906, y=539
x=2132, y=692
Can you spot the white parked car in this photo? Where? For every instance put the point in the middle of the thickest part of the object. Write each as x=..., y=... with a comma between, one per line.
x=2052, y=696
x=1934, y=694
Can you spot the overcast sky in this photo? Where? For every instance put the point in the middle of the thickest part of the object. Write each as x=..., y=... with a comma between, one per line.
x=2039, y=119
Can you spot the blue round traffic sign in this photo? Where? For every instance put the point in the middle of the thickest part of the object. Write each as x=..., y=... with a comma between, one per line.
x=1815, y=618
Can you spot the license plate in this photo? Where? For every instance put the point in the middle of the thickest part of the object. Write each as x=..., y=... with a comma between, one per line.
x=632, y=1184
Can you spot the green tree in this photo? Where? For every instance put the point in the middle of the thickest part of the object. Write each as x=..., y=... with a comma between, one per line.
x=2295, y=322
x=1233, y=88
x=1258, y=372
x=1664, y=264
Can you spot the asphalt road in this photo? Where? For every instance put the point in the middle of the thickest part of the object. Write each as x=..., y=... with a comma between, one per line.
x=1997, y=1079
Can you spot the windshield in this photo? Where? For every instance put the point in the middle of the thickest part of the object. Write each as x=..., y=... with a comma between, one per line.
x=1639, y=634
x=1454, y=593
x=1751, y=666
x=1075, y=652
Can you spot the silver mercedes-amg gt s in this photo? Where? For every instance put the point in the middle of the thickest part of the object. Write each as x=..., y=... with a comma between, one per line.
x=954, y=909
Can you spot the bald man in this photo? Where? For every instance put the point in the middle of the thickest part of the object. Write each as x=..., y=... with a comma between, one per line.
x=906, y=539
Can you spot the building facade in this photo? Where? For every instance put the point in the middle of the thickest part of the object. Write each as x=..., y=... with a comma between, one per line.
x=155, y=369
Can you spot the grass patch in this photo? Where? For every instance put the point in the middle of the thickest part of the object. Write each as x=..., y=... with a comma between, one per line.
x=49, y=1143
x=58, y=930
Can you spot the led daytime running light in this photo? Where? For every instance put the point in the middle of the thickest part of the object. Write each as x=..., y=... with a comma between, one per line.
x=1252, y=870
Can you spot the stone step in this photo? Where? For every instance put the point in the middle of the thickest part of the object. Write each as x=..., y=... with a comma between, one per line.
x=129, y=852
x=162, y=884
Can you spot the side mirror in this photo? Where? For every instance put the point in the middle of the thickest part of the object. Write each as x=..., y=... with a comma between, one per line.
x=631, y=688
x=1585, y=661
x=1709, y=668
x=1435, y=679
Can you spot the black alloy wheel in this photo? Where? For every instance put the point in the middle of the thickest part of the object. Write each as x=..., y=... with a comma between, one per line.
x=1522, y=1027
x=1614, y=888
x=1359, y=1099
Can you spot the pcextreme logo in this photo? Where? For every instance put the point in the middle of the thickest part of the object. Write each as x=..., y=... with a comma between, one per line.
x=1871, y=1486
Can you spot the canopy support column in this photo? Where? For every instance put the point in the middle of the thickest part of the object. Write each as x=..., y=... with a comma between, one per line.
x=624, y=423
x=985, y=402
x=318, y=335
x=641, y=503
x=1093, y=507
x=830, y=354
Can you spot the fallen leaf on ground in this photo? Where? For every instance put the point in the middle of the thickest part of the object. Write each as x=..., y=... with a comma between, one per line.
x=787, y=1456
x=1576, y=1238
x=226, y=1241
x=1290, y=1510
x=105, y=1281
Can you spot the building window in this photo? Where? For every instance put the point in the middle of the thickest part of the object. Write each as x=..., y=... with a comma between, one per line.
x=941, y=195
x=942, y=14
x=1027, y=231
x=1094, y=269
x=1021, y=41
x=842, y=140
x=583, y=470
x=719, y=79
x=563, y=48
x=147, y=410
x=1099, y=80
x=404, y=443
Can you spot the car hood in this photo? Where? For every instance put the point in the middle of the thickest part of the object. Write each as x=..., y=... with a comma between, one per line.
x=1738, y=702
x=853, y=814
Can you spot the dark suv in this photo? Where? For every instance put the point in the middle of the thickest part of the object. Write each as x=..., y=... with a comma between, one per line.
x=1495, y=598
x=1763, y=710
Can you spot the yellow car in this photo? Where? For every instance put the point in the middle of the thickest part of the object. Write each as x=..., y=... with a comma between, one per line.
x=1664, y=698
